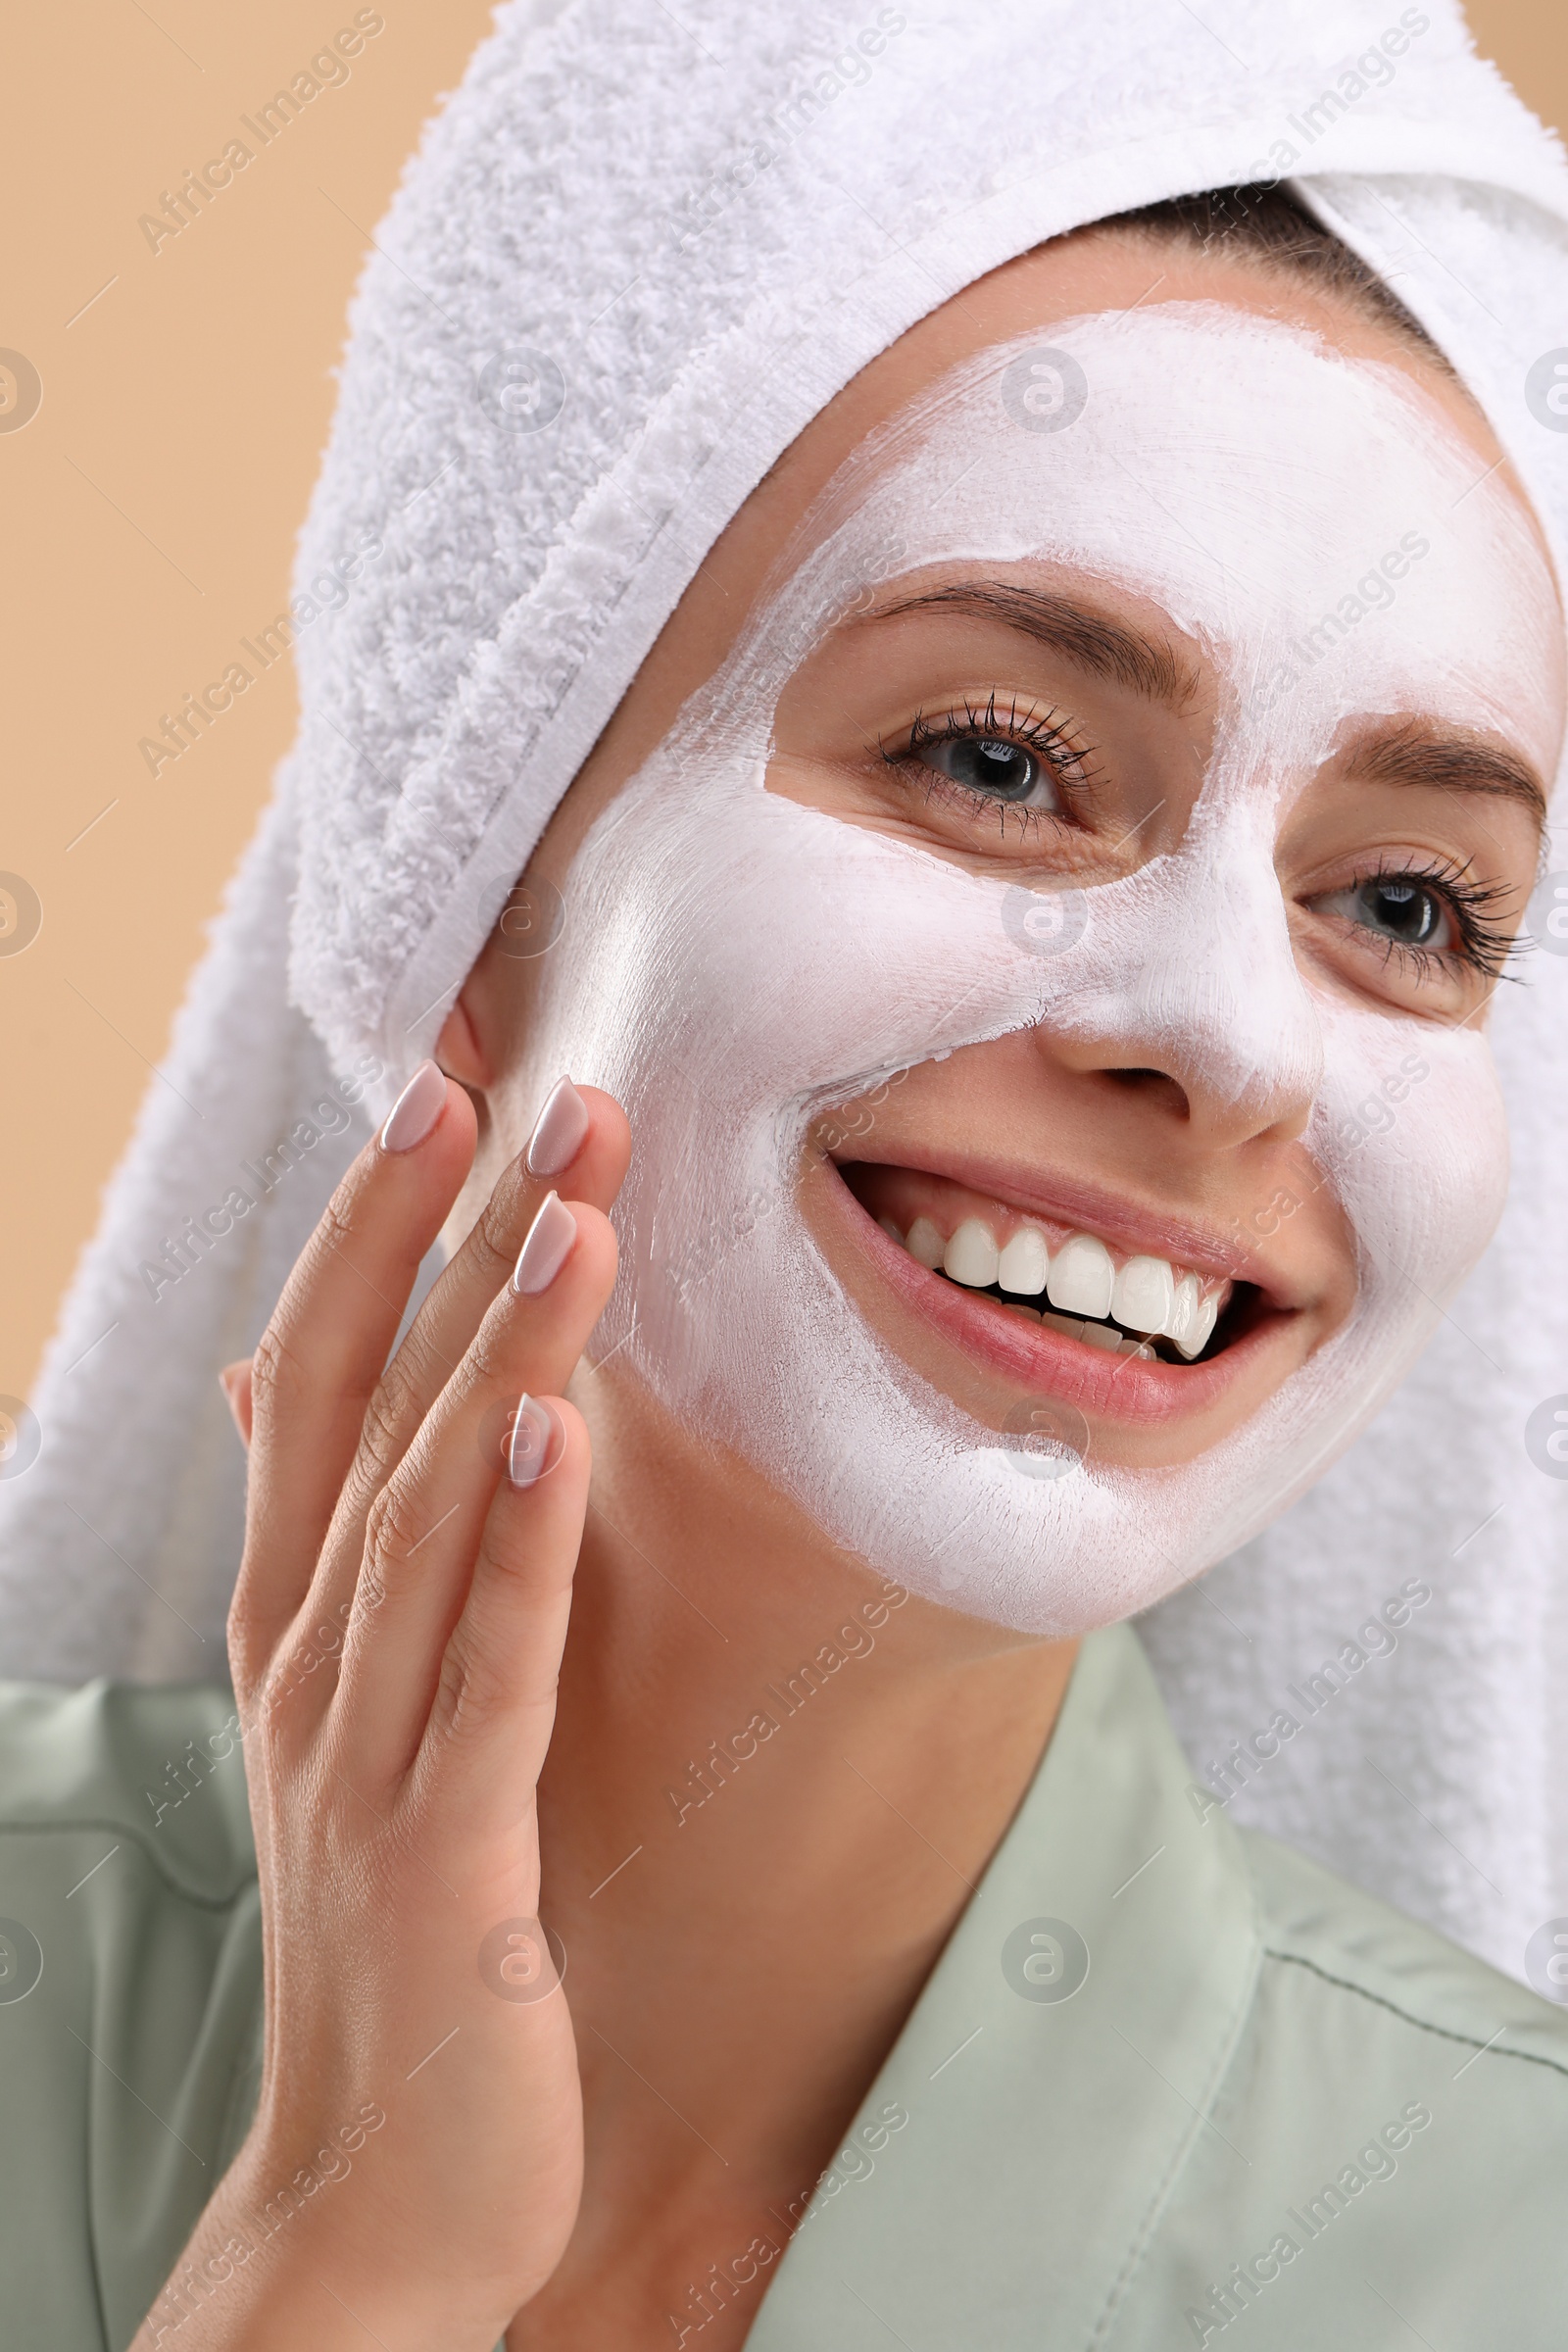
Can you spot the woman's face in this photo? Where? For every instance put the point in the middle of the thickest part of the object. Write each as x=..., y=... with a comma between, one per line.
x=1041, y=938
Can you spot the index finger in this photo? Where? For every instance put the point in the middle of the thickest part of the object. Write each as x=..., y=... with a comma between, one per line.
x=323, y=1351
x=588, y=1163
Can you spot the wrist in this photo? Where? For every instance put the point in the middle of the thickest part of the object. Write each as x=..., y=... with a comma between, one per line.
x=283, y=2256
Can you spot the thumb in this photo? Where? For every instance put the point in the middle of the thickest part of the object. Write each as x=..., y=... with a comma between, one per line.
x=235, y=1382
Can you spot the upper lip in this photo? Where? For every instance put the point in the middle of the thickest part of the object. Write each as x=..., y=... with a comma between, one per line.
x=1137, y=1227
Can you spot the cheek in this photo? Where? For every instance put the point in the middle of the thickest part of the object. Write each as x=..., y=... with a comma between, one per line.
x=1410, y=1130
x=728, y=945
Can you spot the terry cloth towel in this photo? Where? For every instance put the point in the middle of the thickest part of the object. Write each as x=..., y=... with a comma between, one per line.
x=638, y=251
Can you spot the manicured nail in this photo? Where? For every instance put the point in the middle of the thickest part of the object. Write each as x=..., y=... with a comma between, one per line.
x=544, y=1253
x=415, y=1110
x=533, y=1438
x=558, y=1130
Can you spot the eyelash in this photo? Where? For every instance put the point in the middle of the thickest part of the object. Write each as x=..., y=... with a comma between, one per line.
x=1483, y=946
x=1045, y=733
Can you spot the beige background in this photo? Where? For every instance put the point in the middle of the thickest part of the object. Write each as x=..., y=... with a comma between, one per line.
x=151, y=506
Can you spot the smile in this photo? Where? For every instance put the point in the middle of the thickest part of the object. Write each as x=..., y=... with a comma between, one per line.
x=1124, y=1308
x=1136, y=1332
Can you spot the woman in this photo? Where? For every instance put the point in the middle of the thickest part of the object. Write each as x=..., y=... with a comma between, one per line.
x=990, y=899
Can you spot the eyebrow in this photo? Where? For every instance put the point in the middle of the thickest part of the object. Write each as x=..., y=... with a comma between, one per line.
x=1149, y=666
x=1412, y=753
x=1417, y=753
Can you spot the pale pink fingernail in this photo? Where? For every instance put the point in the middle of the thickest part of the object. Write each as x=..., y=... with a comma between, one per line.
x=558, y=1130
x=415, y=1110
x=533, y=1439
x=544, y=1253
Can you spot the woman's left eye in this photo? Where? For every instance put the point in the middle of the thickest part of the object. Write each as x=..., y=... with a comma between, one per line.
x=991, y=767
x=1399, y=908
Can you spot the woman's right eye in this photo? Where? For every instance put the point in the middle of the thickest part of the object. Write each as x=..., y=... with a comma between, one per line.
x=1000, y=755
x=998, y=770
x=1399, y=908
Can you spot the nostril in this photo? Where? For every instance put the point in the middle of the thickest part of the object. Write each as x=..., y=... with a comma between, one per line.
x=1150, y=1082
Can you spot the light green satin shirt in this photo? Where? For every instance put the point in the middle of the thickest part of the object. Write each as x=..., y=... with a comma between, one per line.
x=1168, y=2084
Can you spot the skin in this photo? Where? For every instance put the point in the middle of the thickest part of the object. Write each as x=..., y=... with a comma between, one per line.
x=567, y=2169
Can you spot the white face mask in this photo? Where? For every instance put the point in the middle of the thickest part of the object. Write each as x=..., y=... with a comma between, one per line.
x=732, y=962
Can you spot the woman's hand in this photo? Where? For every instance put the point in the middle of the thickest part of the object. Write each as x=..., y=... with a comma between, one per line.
x=414, y=2170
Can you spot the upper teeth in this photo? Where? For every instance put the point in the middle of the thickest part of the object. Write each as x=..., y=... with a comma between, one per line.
x=1142, y=1294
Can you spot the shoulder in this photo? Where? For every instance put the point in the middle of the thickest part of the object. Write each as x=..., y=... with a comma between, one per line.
x=1332, y=1949
x=130, y=1993
x=1386, y=2157
x=160, y=1765
x=1391, y=2131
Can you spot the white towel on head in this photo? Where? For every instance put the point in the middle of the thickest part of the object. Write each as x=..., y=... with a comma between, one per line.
x=638, y=251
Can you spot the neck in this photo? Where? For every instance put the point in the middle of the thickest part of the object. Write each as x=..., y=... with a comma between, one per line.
x=774, y=1782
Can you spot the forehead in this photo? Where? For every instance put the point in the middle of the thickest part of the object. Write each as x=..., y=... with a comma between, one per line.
x=1274, y=495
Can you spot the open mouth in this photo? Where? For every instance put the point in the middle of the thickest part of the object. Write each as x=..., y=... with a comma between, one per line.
x=1063, y=1278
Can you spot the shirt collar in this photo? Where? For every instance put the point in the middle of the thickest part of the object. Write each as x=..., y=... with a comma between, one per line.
x=1057, y=2066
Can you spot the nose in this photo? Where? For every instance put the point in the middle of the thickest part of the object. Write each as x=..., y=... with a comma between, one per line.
x=1194, y=983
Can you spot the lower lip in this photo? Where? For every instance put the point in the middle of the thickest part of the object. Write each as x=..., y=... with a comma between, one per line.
x=1138, y=1390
